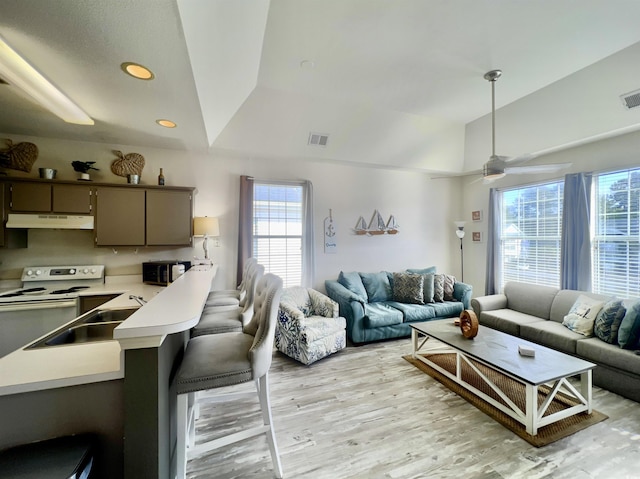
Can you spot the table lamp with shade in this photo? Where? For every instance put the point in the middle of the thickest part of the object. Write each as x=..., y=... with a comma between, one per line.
x=205, y=226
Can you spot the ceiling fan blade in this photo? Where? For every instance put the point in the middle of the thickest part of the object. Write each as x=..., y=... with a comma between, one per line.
x=525, y=170
x=520, y=158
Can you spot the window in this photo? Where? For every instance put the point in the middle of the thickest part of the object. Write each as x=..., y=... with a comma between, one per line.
x=615, y=242
x=278, y=229
x=530, y=229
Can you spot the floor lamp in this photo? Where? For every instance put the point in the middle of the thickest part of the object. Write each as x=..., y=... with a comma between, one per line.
x=460, y=234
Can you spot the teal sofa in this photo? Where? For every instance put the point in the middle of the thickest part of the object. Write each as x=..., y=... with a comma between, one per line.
x=383, y=305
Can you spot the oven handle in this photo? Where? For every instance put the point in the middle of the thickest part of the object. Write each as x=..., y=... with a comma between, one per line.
x=10, y=308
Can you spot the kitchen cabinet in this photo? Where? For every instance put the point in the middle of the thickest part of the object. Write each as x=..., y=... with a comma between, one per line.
x=9, y=238
x=30, y=198
x=87, y=303
x=120, y=216
x=50, y=198
x=168, y=221
x=71, y=199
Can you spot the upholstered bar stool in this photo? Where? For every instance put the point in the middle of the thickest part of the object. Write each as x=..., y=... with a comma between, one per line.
x=214, y=321
x=218, y=360
x=232, y=297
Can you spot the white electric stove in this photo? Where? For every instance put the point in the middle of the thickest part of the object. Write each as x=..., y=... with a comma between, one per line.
x=47, y=299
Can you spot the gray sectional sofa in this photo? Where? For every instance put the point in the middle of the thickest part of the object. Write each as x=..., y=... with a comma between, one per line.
x=536, y=313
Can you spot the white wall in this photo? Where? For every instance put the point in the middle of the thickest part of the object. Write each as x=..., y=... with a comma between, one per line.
x=424, y=209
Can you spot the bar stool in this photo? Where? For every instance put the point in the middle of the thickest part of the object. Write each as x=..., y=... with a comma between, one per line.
x=218, y=360
x=232, y=297
x=214, y=321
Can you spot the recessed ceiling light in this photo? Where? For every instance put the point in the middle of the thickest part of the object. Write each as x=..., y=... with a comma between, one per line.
x=166, y=123
x=137, y=71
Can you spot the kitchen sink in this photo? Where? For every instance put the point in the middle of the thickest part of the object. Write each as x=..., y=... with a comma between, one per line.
x=96, y=325
x=108, y=315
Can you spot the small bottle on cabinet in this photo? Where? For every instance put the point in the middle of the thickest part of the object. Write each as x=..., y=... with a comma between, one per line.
x=161, y=178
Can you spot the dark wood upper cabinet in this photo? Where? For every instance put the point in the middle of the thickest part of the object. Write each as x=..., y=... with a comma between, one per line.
x=72, y=199
x=169, y=218
x=30, y=197
x=120, y=216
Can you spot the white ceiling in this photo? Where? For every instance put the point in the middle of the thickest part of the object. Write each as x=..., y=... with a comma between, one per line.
x=393, y=83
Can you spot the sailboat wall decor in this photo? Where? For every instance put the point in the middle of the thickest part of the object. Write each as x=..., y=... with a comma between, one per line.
x=361, y=227
x=376, y=225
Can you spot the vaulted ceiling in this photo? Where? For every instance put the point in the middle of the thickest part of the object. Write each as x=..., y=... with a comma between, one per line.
x=392, y=83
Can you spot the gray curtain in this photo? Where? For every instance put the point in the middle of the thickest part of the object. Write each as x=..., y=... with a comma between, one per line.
x=493, y=272
x=245, y=224
x=308, y=250
x=575, y=249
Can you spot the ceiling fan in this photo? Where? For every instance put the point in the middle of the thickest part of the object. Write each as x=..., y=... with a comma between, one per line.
x=499, y=166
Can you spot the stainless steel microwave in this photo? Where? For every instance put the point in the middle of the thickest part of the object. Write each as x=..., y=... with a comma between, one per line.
x=163, y=272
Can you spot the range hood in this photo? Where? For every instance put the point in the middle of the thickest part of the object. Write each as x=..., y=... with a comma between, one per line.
x=67, y=222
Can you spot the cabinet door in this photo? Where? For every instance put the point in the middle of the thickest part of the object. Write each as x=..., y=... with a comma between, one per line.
x=71, y=199
x=120, y=216
x=31, y=197
x=3, y=216
x=168, y=218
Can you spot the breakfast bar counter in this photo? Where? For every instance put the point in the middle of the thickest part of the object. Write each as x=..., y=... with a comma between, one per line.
x=121, y=390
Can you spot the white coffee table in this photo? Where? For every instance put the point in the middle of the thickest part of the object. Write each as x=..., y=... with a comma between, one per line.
x=499, y=351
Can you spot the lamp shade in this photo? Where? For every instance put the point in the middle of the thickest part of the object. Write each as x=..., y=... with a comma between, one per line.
x=459, y=228
x=205, y=226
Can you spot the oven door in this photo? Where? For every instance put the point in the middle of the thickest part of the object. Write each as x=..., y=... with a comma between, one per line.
x=23, y=322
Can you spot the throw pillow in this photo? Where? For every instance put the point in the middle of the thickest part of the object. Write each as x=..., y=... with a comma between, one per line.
x=608, y=321
x=438, y=288
x=428, y=287
x=582, y=315
x=629, y=332
x=353, y=283
x=377, y=286
x=408, y=288
x=449, y=282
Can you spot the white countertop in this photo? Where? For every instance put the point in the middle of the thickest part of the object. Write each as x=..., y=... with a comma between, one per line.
x=169, y=310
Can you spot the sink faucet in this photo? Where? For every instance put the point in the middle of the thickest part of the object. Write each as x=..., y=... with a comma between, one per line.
x=139, y=299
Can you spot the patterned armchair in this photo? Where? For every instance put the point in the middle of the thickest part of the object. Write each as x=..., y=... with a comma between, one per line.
x=308, y=327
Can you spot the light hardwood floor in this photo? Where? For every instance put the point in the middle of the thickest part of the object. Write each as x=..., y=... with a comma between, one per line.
x=367, y=413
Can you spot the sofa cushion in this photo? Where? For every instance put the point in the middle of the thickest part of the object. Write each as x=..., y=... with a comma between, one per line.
x=608, y=321
x=551, y=334
x=414, y=312
x=353, y=283
x=429, y=270
x=381, y=314
x=533, y=299
x=377, y=286
x=408, y=288
x=438, y=288
x=582, y=315
x=506, y=320
x=597, y=351
x=448, y=309
x=629, y=331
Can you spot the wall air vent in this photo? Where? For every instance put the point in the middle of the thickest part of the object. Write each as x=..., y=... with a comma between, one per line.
x=318, y=139
x=631, y=99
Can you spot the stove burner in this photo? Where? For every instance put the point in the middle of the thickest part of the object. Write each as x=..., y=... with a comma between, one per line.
x=21, y=292
x=73, y=289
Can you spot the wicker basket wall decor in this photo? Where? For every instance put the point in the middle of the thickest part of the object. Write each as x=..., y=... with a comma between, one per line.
x=20, y=156
x=129, y=164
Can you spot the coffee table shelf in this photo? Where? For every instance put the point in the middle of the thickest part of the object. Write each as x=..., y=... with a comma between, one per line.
x=499, y=351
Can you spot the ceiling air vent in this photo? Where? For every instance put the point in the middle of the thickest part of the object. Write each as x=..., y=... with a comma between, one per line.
x=318, y=139
x=631, y=99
